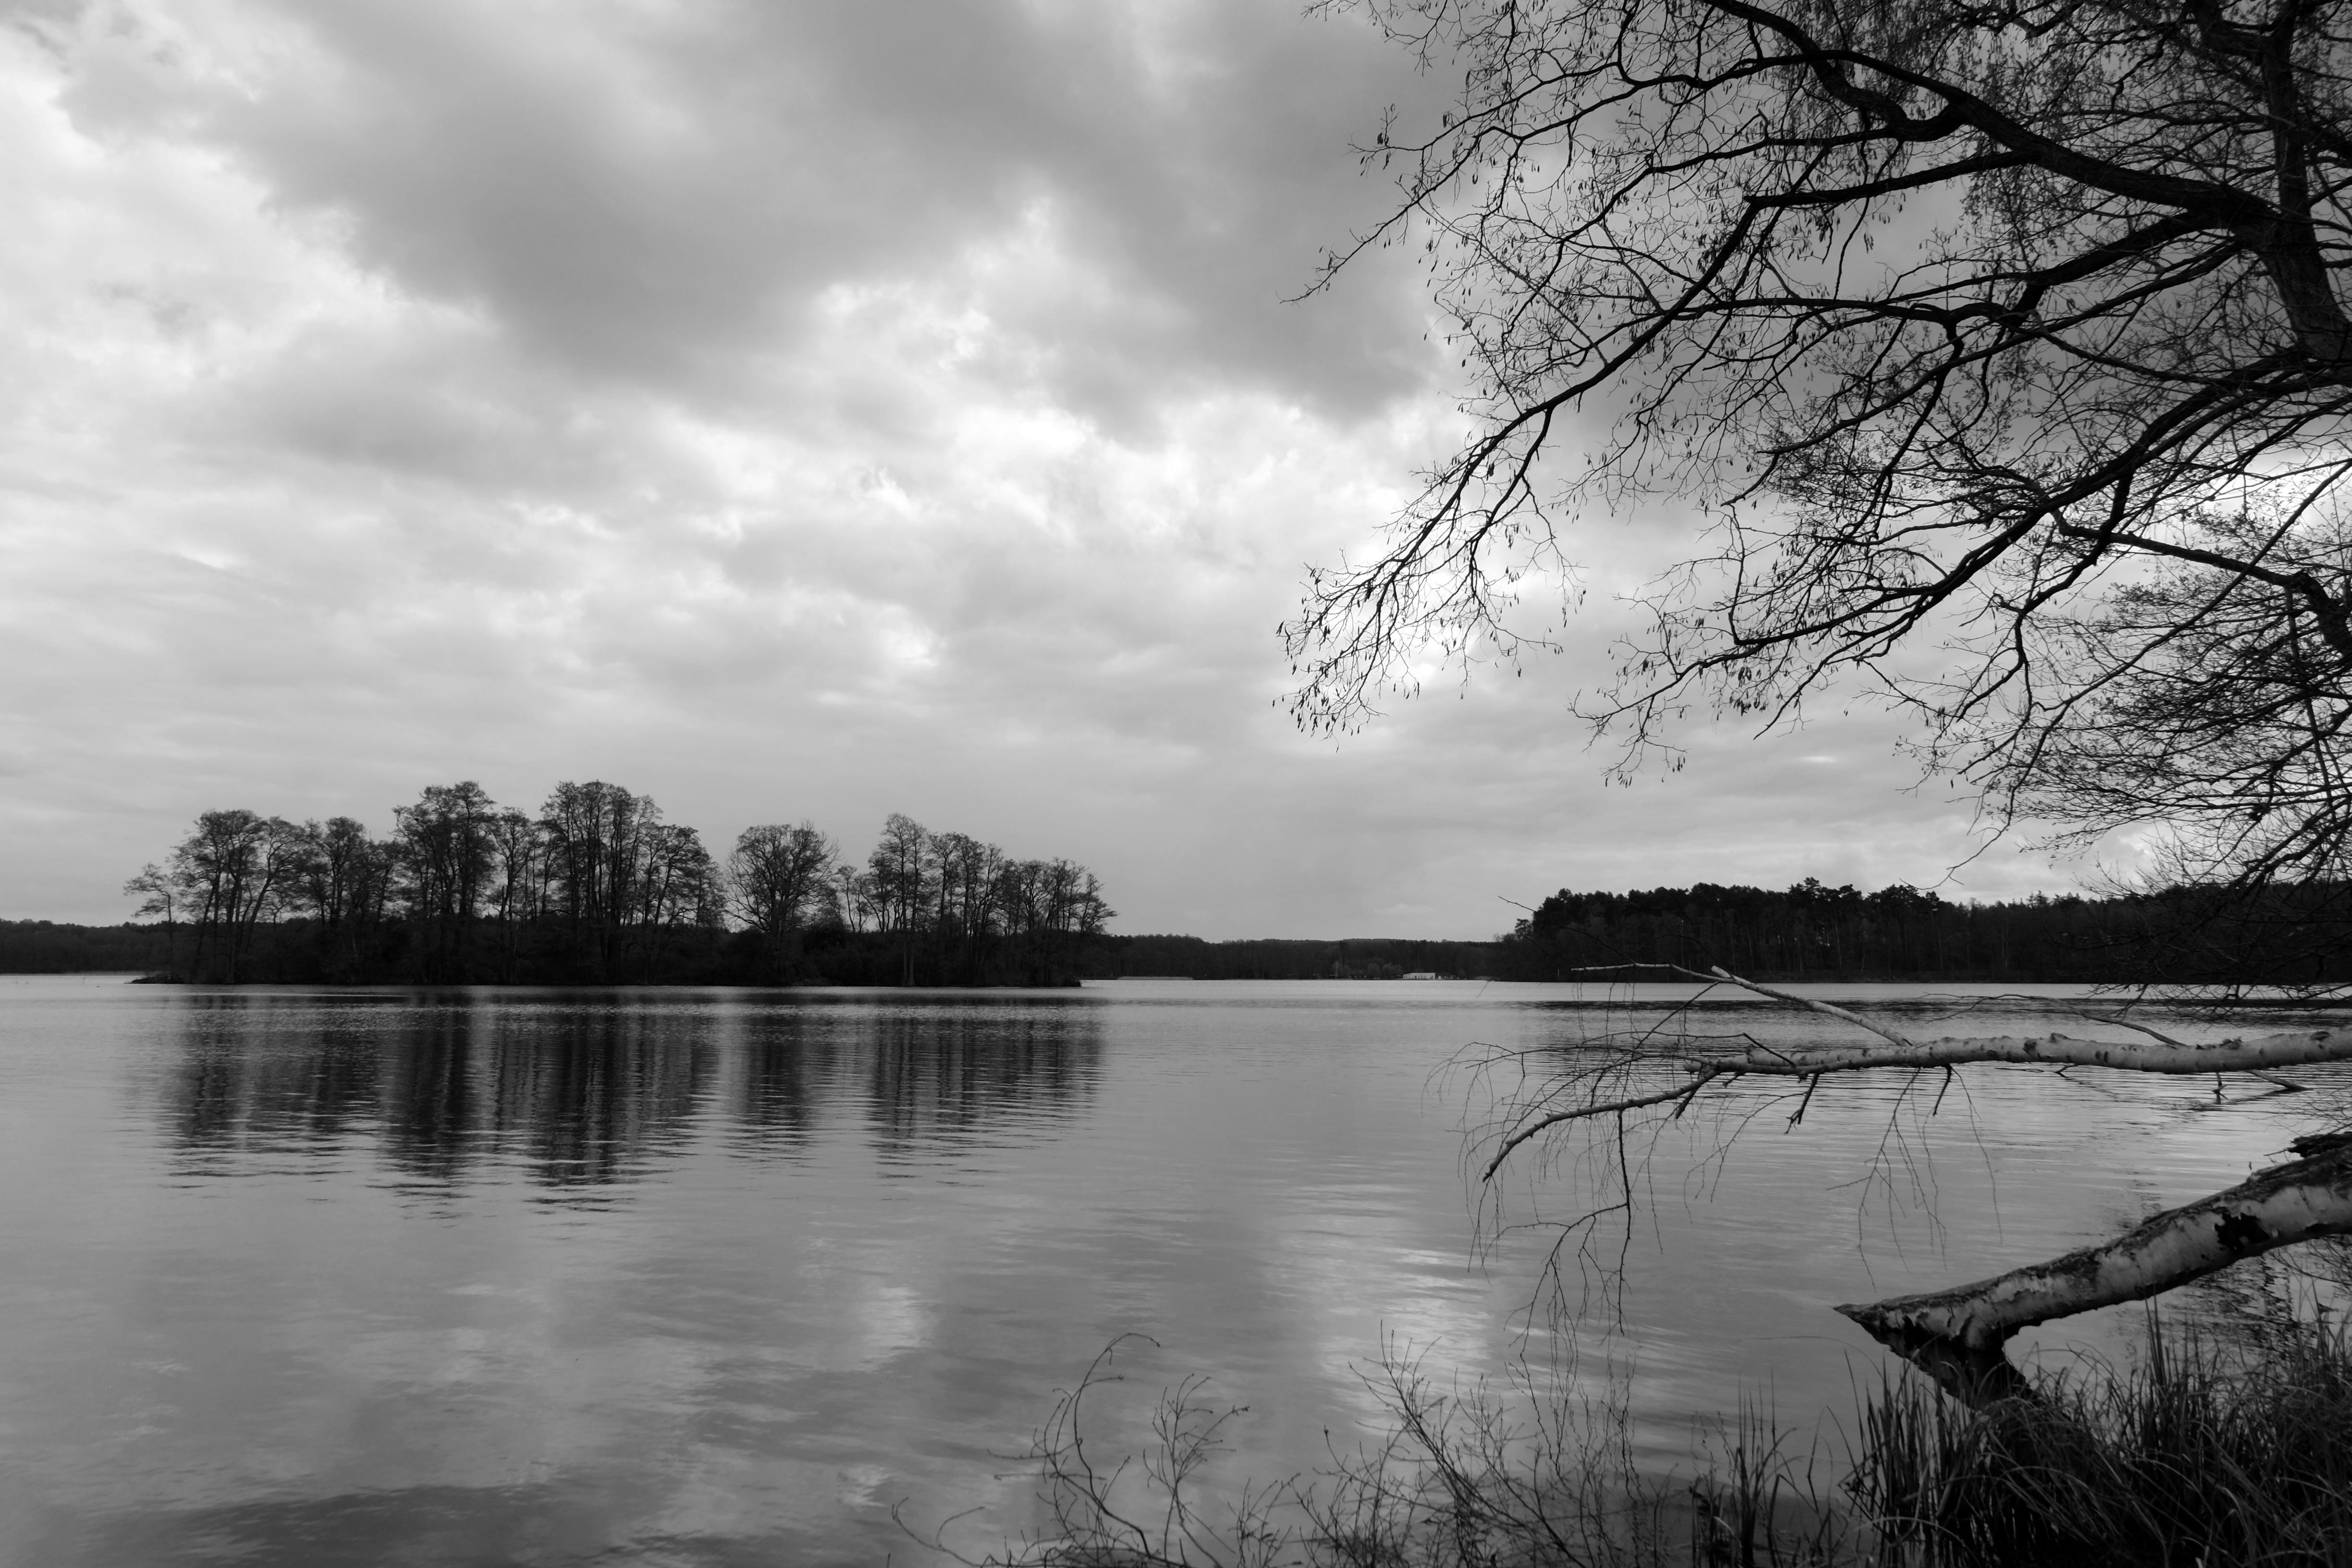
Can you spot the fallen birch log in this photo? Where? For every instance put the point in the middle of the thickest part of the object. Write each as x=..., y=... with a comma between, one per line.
x=1959, y=1336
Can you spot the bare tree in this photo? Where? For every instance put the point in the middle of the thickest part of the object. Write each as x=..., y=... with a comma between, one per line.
x=902, y=875
x=677, y=886
x=343, y=881
x=518, y=882
x=2012, y=332
x=853, y=897
x=966, y=916
x=235, y=872
x=779, y=879
x=159, y=895
x=594, y=846
x=1047, y=910
x=447, y=845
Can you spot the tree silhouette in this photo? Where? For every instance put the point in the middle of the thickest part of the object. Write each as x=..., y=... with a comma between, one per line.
x=1999, y=347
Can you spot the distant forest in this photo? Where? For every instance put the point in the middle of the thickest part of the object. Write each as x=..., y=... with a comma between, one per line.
x=598, y=889
x=1810, y=931
x=595, y=888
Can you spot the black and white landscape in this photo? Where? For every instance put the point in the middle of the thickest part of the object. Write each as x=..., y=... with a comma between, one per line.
x=1425, y=783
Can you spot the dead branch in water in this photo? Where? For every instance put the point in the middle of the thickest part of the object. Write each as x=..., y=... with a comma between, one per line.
x=1957, y=1335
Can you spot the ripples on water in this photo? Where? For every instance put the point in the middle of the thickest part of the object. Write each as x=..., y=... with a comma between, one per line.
x=661, y=1277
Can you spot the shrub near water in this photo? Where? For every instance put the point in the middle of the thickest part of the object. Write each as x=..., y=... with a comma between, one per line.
x=2199, y=1455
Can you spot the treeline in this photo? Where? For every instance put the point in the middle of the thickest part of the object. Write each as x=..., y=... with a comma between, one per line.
x=1809, y=932
x=1354, y=958
x=54, y=947
x=2208, y=937
x=2214, y=939
x=597, y=887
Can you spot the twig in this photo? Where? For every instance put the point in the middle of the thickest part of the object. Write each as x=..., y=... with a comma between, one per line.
x=1812, y=1084
x=1585, y=1112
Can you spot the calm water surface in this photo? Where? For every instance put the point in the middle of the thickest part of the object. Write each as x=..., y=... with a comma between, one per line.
x=299, y=1278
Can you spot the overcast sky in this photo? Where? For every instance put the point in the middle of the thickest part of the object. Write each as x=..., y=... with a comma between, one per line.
x=786, y=410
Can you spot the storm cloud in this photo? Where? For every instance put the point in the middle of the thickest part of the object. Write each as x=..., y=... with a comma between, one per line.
x=788, y=410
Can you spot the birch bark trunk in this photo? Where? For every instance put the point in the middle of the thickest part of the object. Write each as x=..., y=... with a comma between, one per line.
x=1958, y=1336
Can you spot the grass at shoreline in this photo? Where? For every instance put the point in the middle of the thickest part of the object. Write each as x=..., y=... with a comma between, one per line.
x=2197, y=1453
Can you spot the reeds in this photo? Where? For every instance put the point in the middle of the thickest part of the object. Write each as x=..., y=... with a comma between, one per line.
x=2226, y=1456
x=2199, y=1455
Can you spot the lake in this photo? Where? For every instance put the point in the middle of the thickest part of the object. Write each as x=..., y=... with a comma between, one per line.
x=674, y=1277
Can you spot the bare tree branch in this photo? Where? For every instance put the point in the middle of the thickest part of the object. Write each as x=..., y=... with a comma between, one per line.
x=2017, y=332
x=1957, y=1335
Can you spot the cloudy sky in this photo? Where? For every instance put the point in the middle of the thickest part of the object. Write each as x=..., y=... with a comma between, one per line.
x=786, y=408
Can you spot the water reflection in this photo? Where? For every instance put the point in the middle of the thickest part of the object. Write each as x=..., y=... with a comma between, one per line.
x=592, y=1095
x=978, y=1076
x=657, y=1276
x=787, y=1058
x=583, y=1090
x=431, y=1105
x=240, y=1088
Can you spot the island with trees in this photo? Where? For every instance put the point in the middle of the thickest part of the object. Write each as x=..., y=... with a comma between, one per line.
x=598, y=887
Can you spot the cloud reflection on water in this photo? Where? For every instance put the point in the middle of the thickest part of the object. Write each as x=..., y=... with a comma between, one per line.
x=703, y=1277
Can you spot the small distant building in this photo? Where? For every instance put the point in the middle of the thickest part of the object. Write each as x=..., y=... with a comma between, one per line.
x=1423, y=974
